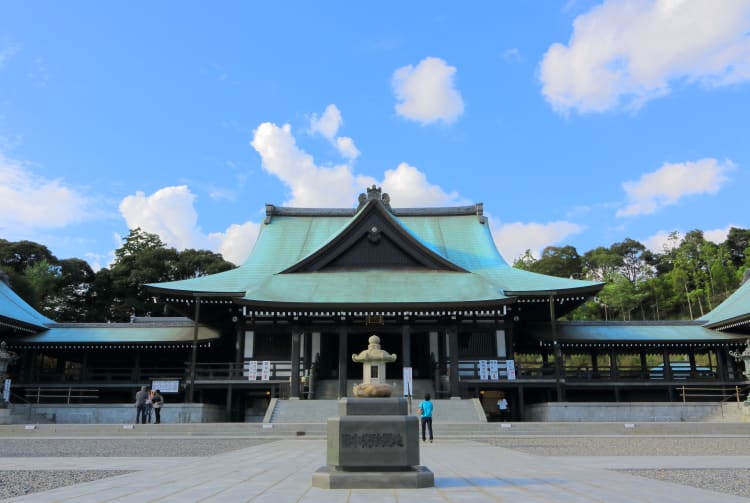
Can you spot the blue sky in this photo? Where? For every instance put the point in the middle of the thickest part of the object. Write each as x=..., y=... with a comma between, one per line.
x=575, y=122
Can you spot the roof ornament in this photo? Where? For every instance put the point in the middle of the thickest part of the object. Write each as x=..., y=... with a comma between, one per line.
x=374, y=193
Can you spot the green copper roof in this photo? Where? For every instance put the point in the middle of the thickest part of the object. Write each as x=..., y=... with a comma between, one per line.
x=632, y=331
x=108, y=333
x=461, y=237
x=15, y=312
x=735, y=310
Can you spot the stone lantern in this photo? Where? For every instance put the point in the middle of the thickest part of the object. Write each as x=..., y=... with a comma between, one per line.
x=373, y=361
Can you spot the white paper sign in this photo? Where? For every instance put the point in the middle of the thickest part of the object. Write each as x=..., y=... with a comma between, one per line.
x=6, y=390
x=265, y=371
x=252, y=370
x=511, y=366
x=484, y=373
x=166, y=385
x=494, y=372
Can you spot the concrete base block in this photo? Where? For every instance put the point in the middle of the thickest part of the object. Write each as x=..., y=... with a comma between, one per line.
x=417, y=477
x=5, y=415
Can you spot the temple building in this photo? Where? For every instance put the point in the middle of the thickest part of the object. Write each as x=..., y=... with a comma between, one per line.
x=429, y=282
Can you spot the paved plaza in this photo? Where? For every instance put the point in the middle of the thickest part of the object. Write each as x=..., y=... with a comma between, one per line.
x=279, y=470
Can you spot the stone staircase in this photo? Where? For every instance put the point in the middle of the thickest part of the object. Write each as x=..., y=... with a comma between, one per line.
x=463, y=412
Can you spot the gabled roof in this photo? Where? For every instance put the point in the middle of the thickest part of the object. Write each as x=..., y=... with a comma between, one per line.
x=17, y=313
x=733, y=312
x=309, y=257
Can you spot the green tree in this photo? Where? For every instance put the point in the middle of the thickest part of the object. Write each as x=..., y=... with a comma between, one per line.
x=561, y=261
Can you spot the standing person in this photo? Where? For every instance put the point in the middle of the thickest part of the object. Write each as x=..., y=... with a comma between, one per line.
x=149, y=406
x=158, y=402
x=502, y=405
x=425, y=412
x=140, y=405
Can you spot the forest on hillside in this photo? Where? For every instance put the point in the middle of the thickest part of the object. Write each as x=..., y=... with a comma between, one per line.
x=687, y=279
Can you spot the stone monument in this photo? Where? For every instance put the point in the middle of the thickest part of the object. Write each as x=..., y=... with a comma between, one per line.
x=374, y=443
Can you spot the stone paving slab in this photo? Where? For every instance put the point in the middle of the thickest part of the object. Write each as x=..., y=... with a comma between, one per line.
x=465, y=471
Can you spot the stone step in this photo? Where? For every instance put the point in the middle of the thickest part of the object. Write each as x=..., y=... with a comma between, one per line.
x=318, y=430
x=318, y=411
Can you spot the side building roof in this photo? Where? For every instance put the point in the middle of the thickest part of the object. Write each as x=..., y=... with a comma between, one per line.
x=17, y=314
x=733, y=313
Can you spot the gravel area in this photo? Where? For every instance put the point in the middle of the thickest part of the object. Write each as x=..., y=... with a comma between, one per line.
x=736, y=482
x=22, y=482
x=626, y=446
x=122, y=447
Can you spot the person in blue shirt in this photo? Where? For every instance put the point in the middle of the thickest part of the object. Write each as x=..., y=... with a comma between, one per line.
x=425, y=413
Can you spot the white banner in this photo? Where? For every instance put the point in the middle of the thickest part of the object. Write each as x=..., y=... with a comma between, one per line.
x=6, y=390
x=408, y=384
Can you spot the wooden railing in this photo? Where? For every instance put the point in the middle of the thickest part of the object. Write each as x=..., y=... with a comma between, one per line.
x=717, y=393
x=56, y=395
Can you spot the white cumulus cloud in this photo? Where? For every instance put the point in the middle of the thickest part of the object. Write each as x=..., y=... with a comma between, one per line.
x=625, y=52
x=28, y=201
x=310, y=185
x=408, y=187
x=427, y=93
x=328, y=126
x=316, y=186
x=670, y=183
x=170, y=213
x=236, y=243
x=513, y=239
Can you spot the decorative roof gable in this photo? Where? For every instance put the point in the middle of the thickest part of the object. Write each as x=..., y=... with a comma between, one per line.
x=374, y=239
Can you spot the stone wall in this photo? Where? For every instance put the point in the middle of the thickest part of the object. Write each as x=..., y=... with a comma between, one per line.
x=116, y=413
x=635, y=412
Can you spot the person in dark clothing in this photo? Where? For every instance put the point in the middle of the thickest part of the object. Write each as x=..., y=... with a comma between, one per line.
x=140, y=405
x=425, y=412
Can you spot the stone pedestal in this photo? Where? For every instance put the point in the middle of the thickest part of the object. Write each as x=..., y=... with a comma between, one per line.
x=5, y=416
x=373, y=444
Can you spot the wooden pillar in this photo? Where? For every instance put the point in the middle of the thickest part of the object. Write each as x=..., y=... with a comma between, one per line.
x=644, y=366
x=239, y=350
x=228, y=410
x=406, y=345
x=667, y=365
x=691, y=358
x=194, y=352
x=594, y=364
x=721, y=364
x=520, y=406
x=613, y=374
x=556, y=349
x=453, y=383
x=343, y=361
x=294, y=378
x=307, y=351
